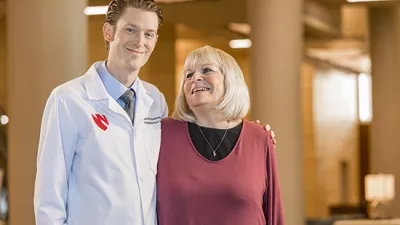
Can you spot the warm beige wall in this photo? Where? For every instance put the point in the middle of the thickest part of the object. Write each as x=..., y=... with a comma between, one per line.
x=329, y=109
x=336, y=135
x=384, y=45
x=3, y=63
x=311, y=188
x=160, y=69
x=97, y=48
x=353, y=21
x=40, y=56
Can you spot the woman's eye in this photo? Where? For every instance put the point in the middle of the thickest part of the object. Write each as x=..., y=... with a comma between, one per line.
x=189, y=75
x=207, y=70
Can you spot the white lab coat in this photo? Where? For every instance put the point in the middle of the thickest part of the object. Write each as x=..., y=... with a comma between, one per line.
x=98, y=173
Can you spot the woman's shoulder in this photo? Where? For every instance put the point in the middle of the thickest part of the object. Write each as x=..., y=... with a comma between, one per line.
x=255, y=131
x=258, y=136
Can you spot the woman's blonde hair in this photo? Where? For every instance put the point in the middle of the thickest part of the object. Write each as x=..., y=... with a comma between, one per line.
x=236, y=101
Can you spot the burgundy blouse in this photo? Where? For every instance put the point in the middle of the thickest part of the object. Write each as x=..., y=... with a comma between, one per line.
x=241, y=189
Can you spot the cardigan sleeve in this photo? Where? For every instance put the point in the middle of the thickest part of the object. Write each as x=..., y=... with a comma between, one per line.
x=273, y=208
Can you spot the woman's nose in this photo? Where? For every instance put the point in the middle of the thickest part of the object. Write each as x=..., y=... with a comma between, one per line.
x=197, y=77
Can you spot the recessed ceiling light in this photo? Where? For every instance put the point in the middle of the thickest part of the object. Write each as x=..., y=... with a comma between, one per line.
x=240, y=43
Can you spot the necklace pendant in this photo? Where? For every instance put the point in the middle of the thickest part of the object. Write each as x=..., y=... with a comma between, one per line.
x=214, y=153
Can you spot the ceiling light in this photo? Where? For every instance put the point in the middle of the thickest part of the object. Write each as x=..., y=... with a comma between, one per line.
x=4, y=119
x=95, y=10
x=240, y=43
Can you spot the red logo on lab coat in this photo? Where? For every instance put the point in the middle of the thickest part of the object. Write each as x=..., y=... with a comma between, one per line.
x=101, y=121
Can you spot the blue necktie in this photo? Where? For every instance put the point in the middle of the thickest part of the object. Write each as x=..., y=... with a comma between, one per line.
x=127, y=98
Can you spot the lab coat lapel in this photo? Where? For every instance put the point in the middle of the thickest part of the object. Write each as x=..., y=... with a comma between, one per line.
x=97, y=92
x=143, y=104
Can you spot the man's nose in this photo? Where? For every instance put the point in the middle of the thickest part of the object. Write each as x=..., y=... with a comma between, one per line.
x=138, y=39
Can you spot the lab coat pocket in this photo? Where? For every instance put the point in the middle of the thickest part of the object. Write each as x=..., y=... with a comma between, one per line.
x=153, y=141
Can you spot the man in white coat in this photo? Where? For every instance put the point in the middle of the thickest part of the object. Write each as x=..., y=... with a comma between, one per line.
x=100, y=133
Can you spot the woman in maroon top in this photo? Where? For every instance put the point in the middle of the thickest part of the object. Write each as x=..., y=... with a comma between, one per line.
x=216, y=168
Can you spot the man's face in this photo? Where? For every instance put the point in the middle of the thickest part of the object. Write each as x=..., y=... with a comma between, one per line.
x=133, y=38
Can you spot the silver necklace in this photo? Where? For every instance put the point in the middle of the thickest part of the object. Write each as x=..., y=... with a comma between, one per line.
x=214, y=150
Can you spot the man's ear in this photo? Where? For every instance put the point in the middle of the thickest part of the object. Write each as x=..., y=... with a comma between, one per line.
x=108, y=32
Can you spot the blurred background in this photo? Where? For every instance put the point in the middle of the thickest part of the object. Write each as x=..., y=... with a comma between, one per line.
x=325, y=74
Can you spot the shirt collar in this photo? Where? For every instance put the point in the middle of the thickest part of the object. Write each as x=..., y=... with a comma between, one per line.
x=114, y=88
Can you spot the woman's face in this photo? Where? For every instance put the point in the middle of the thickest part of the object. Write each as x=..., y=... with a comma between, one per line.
x=204, y=85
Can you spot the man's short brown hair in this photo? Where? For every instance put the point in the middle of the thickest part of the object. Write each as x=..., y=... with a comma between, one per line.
x=117, y=7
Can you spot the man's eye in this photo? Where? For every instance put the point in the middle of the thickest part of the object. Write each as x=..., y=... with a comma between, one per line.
x=150, y=35
x=131, y=30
